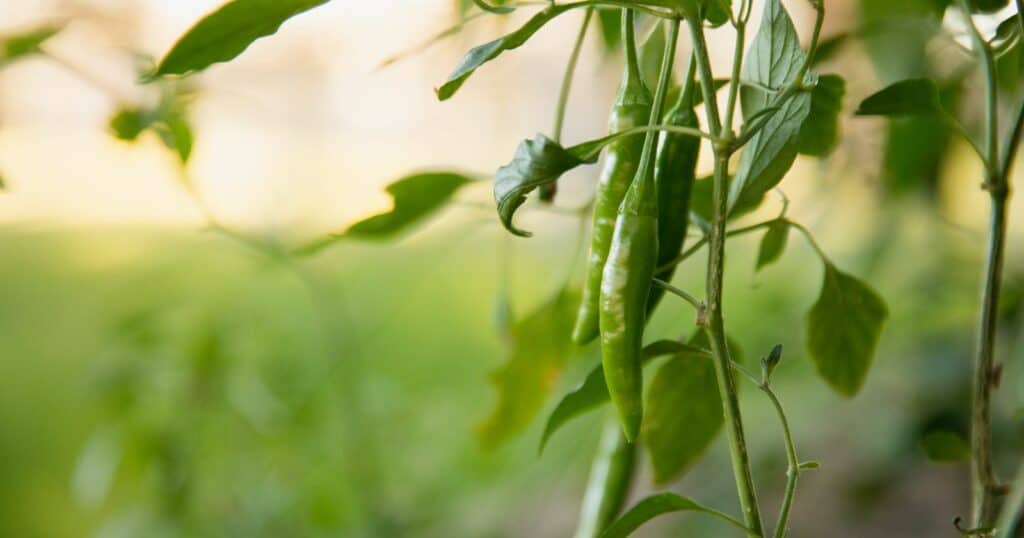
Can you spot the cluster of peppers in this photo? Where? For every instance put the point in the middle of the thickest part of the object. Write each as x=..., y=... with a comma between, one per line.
x=641, y=215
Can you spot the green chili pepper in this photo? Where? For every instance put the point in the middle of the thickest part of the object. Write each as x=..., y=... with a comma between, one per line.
x=632, y=108
x=675, y=171
x=626, y=280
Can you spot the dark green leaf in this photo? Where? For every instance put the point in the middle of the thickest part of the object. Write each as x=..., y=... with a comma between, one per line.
x=537, y=162
x=656, y=505
x=843, y=329
x=17, y=46
x=945, y=447
x=820, y=131
x=683, y=415
x=224, y=34
x=773, y=243
x=912, y=97
x=988, y=6
x=484, y=53
x=1007, y=34
x=809, y=465
x=539, y=348
x=775, y=61
x=415, y=198
x=593, y=392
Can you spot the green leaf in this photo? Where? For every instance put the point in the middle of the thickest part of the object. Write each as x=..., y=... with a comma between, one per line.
x=843, y=330
x=656, y=505
x=775, y=61
x=127, y=124
x=593, y=392
x=912, y=97
x=416, y=198
x=536, y=162
x=539, y=348
x=808, y=465
x=18, y=46
x=175, y=131
x=945, y=446
x=820, y=131
x=988, y=6
x=611, y=28
x=773, y=243
x=482, y=54
x=227, y=32
x=1008, y=34
x=683, y=415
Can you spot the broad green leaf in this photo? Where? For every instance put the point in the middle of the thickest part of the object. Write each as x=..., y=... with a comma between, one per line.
x=14, y=47
x=482, y=54
x=843, y=329
x=537, y=162
x=539, y=346
x=656, y=505
x=683, y=415
x=945, y=446
x=416, y=198
x=820, y=131
x=912, y=97
x=593, y=392
x=224, y=34
x=775, y=60
x=773, y=243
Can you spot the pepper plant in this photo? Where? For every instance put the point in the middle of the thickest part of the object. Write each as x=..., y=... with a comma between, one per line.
x=768, y=108
x=998, y=58
x=774, y=108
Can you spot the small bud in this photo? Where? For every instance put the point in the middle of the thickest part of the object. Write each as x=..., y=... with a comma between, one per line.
x=769, y=363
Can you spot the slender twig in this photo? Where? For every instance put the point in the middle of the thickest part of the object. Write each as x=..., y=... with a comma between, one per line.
x=984, y=484
x=1006, y=526
x=697, y=304
x=810, y=238
x=704, y=241
x=714, y=323
x=570, y=71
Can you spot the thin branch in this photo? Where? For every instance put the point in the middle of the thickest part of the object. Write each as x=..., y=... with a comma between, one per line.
x=696, y=303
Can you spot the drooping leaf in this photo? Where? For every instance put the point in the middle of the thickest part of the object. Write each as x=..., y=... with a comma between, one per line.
x=17, y=46
x=775, y=61
x=536, y=162
x=224, y=34
x=912, y=97
x=773, y=243
x=656, y=505
x=683, y=415
x=820, y=131
x=175, y=131
x=843, y=328
x=539, y=348
x=168, y=119
x=416, y=198
x=945, y=446
x=593, y=392
x=482, y=54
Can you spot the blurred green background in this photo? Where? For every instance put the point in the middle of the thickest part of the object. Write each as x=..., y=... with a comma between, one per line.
x=164, y=378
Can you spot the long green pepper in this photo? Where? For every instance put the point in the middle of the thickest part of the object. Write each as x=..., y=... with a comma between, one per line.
x=626, y=280
x=632, y=108
x=675, y=170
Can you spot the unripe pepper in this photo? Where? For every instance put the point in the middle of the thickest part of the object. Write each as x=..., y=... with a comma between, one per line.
x=626, y=279
x=632, y=108
x=675, y=170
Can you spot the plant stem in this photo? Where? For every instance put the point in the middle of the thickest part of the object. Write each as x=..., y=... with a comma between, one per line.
x=570, y=71
x=1006, y=527
x=714, y=322
x=985, y=488
x=793, y=469
x=610, y=478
